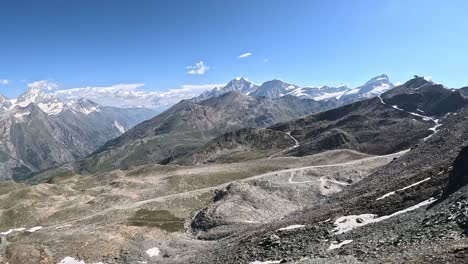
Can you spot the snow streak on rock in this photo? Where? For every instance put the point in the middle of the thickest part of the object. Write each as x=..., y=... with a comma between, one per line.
x=335, y=245
x=402, y=189
x=347, y=223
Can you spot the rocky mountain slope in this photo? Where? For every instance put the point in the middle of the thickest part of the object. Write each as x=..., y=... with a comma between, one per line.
x=38, y=131
x=398, y=120
x=336, y=206
x=410, y=211
x=190, y=124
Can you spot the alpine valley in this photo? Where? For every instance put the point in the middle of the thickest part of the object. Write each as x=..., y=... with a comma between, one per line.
x=244, y=173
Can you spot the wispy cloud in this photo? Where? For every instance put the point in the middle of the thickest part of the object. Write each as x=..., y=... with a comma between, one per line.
x=198, y=69
x=245, y=55
x=266, y=60
x=132, y=95
x=4, y=81
x=43, y=85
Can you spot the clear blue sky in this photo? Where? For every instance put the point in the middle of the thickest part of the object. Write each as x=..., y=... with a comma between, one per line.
x=92, y=43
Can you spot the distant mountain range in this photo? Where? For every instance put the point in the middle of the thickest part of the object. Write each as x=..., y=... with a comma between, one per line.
x=73, y=130
x=188, y=125
x=277, y=88
x=38, y=131
x=396, y=120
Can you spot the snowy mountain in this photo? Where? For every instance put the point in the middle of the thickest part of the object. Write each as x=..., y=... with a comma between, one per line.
x=238, y=84
x=39, y=131
x=320, y=93
x=277, y=88
x=274, y=89
x=374, y=87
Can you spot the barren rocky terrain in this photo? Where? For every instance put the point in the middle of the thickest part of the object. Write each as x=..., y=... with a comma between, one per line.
x=116, y=217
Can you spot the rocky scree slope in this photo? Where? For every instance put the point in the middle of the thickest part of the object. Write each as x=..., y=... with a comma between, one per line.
x=412, y=210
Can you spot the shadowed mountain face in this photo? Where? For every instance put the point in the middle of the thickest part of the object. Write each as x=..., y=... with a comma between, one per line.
x=38, y=131
x=188, y=125
x=426, y=98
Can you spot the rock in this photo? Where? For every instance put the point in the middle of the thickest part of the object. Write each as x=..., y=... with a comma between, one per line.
x=28, y=254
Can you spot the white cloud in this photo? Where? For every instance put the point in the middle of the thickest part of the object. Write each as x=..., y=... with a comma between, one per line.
x=198, y=69
x=132, y=95
x=428, y=78
x=4, y=82
x=245, y=55
x=43, y=85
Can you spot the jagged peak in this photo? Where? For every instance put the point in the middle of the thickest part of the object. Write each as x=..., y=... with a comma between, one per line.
x=380, y=78
x=238, y=80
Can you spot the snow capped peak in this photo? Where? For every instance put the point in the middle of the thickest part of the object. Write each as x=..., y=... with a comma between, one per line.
x=84, y=106
x=239, y=84
x=241, y=79
x=47, y=102
x=277, y=88
x=380, y=78
x=50, y=104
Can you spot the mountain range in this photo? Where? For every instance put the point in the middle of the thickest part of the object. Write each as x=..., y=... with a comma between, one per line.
x=240, y=104
x=277, y=88
x=39, y=131
x=243, y=176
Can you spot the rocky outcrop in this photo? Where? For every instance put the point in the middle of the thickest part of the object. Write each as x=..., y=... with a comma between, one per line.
x=459, y=174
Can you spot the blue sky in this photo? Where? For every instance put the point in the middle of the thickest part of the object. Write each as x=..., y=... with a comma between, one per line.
x=90, y=43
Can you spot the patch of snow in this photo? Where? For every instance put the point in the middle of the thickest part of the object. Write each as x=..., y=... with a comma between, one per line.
x=64, y=226
x=402, y=189
x=425, y=118
x=70, y=260
x=34, y=229
x=335, y=245
x=352, y=91
x=291, y=227
x=298, y=92
x=377, y=90
x=53, y=108
x=119, y=127
x=21, y=115
x=434, y=129
x=77, y=108
x=153, y=252
x=326, y=96
x=12, y=230
x=345, y=224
